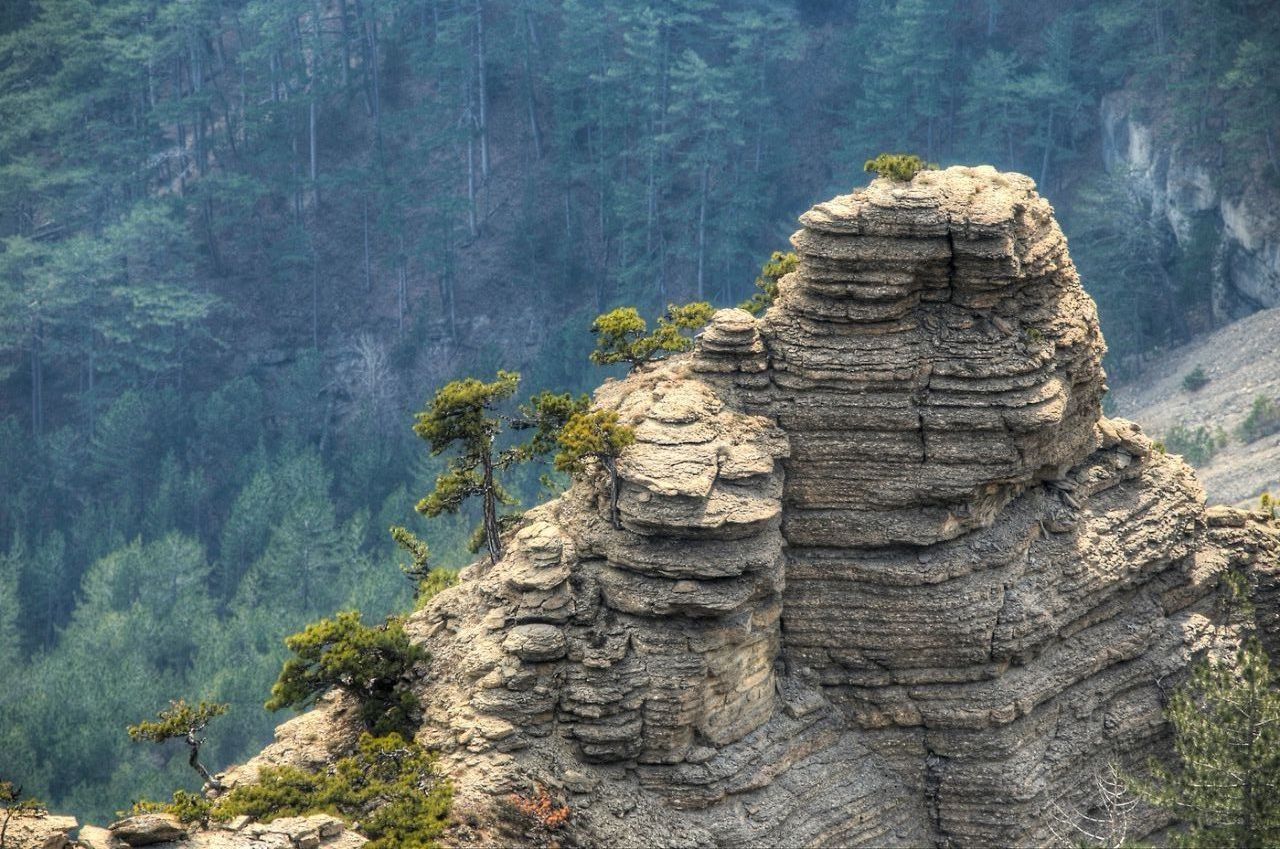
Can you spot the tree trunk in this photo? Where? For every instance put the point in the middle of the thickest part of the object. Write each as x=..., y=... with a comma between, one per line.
x=1048, y=146
x=702, y=228
x=472, y=225
x=530, y=42
x=346, y=44
x=315, y=300
x=194, y=761
x=37, y=383
x=611, y=463
x=490, y=498
x=311, y=121
x=368, y=271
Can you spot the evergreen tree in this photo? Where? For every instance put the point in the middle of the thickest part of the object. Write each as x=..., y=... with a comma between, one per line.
x=1226, y=782
x=185, y=722
x=595, y=435
x=622, y=336
x=461, y=415
x=370, y=663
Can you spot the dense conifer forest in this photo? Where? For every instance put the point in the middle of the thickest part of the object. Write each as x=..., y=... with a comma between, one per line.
x=241, y=241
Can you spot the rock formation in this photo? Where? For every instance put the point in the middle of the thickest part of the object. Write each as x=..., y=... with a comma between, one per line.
x=885, y=576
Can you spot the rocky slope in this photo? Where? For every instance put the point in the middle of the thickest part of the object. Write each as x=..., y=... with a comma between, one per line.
x=885, y=575
x=1240, y=363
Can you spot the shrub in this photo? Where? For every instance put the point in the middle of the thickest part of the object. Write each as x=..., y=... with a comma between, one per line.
x=1263, y=420
x=187, y=807
x=390, y=787
x=1197, y=445
x=901, y=167
x=369, y=663
x=1195, y=380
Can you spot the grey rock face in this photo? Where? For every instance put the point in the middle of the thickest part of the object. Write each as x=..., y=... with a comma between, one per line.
x=885, y=576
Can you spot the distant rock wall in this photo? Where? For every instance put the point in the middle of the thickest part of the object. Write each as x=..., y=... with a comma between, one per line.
x=1189, y=202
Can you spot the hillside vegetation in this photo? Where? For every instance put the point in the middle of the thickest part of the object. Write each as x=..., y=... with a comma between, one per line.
x=240, y=239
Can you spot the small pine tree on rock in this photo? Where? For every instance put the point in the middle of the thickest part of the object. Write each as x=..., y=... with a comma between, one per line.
x=14, y=804
x=899, y=167
x=428, y=581
x=622, y=336
x=461, y=415
x=182, y=721
x=370, y=663
x=595, y=435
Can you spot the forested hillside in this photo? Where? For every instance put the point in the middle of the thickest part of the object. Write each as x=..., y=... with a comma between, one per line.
x=241, y=240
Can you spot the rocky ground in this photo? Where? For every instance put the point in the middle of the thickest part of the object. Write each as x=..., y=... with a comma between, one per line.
x=1242, y=361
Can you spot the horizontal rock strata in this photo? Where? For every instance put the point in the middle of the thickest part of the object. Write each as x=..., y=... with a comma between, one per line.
x=884, y=576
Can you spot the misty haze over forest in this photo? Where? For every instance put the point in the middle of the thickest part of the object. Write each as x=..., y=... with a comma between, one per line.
x=241, y=241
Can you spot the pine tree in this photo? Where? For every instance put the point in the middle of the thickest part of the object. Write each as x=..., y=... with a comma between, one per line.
x=370, y=663
x=595, y=435
x=14, y=804
x=182, y=721
x=1226, y=783
x=779, y=265
x=622, y=336
x=462, y=415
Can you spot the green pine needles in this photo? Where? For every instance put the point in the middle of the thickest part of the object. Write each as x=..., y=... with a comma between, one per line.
x=595, y=435
x=1226, y=724
x=182, y=721
x=622, y=336
x=14, y=804
x=461, y=416
x=779, y=265
x=373, y=664
x=389, y=786
x=899, y=167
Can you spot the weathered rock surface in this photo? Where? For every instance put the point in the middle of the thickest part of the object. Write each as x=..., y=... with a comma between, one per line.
x=159, y=831
x=884, y=576
x=40, y=831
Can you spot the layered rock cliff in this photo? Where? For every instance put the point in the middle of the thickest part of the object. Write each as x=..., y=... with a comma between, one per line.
x=885, y=575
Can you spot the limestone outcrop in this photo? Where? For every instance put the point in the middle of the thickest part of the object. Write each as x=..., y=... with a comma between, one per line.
x=885, y=575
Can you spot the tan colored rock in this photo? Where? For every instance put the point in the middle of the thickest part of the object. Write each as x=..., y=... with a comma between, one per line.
x=147, y=829
x=885, y=575
x=39, y=831
x=310, y=741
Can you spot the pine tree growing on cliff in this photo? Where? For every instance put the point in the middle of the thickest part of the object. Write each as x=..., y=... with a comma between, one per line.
x=12, y=804
x=622, y=336
x=369, y=663
x=182, y=721
x=595, y=435
x=779, y=265
x=1226, y=724
x=462, y=414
